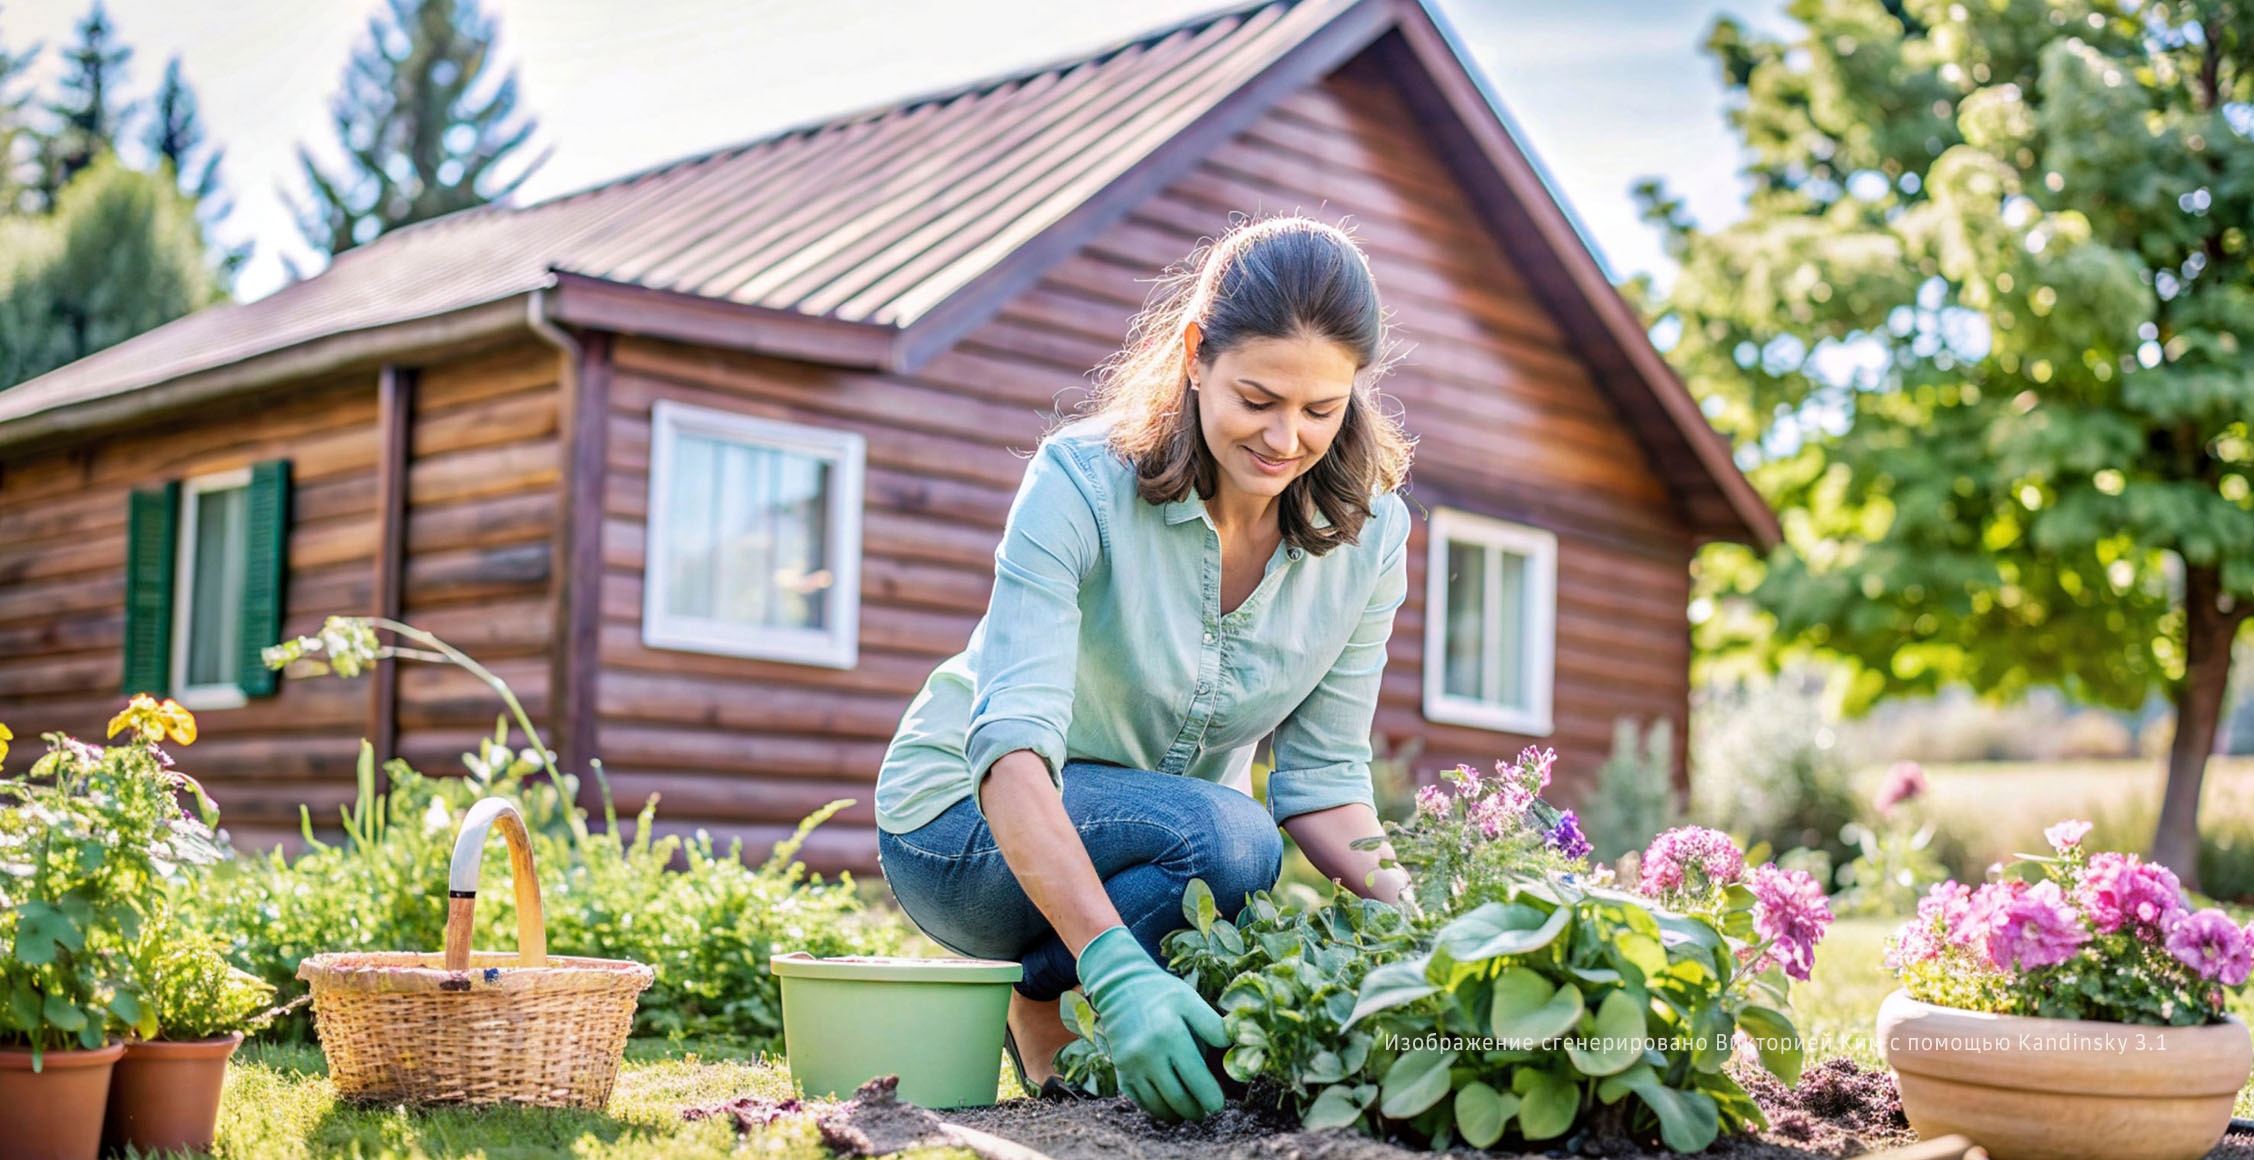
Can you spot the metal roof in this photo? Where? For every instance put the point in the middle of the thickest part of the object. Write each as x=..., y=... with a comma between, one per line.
x=872, y=217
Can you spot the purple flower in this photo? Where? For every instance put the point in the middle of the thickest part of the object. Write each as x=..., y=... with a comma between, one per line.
x=2035, y=928
x=2119, y=890
x=1904, y=781
x=2210, y=943
x=1567, y=836
x=1691, y=856
x=1789, y=910
x=1433, y=802
x=2067, y=834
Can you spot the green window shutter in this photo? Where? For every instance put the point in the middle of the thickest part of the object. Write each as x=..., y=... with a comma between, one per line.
x=266, y=519
x=151, y=530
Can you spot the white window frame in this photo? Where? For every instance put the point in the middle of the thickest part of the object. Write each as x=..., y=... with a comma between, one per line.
x=1539, y=547
x=837, y=646
x=199, y=697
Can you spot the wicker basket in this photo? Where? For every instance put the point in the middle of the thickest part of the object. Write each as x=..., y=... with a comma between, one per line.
x=463, y=1028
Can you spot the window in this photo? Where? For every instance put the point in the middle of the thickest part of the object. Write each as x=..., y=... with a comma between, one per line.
x=204, y=577
x=1490, y=623
x=207, y=616
x=754, y=537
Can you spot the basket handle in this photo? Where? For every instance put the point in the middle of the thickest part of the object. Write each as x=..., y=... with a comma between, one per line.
x=461, y=885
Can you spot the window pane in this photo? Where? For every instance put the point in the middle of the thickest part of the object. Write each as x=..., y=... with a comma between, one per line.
x=216, y=592
x=748, y=529
x=1467, y=589
x=1510, y=613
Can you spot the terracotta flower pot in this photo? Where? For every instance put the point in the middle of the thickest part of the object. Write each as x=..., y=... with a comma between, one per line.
x=165, y=1095
x=54, y=1113
x=2064, y=1089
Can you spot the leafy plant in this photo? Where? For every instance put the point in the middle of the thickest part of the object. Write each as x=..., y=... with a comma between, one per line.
x=87, y=841
x=2074, y=935
x=1635, y=795
x=1892, y=868
x=707, y=926
x=1515, y=994
x=190, y=989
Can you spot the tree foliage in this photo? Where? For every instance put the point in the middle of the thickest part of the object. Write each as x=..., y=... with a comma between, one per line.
x=424, y=128
x=1978, y=340
x=90, y=111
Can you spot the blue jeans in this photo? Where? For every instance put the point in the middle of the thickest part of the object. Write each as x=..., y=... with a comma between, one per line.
x=1147, y=833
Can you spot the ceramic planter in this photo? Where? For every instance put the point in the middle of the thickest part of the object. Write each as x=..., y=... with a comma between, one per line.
x=54, y=1113
x=935, y=1023
x=2064, y=1089
x=164, y=1096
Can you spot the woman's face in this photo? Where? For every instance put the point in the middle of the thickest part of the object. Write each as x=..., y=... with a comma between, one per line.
x=1270, y=407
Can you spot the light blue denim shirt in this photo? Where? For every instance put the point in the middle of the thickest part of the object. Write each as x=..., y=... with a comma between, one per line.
x=1105, y=641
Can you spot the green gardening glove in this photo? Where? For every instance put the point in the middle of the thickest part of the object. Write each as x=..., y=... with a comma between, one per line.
x=1153, y=1021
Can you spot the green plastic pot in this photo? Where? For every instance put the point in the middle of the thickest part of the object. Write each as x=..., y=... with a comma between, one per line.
x=935, y=1023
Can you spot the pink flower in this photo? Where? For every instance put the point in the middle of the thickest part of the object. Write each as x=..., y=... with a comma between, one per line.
x=1493, y=815
x=1691, y=856
x=1789, y=909
x=2036, y=928
x=2067, y=834
x=1540, y=761
x=1984, y=913
x=1923, y=938
x=2119, y=890
x=1467, y=781
x=2210, y=943
x=1433, y=802
x=1906, y=780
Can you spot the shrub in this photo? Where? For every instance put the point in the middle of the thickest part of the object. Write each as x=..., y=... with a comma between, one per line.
x=1635, y=796
x=707, y=927
x=2073, y=935
x=1766, y=768
x=191, y=990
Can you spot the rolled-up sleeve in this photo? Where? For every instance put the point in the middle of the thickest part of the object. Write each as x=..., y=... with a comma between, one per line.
x=1322, y=749
x=1022, y=697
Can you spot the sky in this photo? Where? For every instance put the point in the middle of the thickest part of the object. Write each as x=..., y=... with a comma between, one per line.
x=1603, y=92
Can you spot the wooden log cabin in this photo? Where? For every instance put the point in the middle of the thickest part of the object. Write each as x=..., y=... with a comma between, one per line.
x=710, y=462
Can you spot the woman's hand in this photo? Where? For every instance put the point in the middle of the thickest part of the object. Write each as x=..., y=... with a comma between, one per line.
x=1327, y=837
x=1153, y=1021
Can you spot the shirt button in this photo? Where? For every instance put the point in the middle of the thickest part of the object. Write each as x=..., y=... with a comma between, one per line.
x=1209, y=638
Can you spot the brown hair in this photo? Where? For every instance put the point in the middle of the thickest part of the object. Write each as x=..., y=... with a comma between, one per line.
x=1277, y=278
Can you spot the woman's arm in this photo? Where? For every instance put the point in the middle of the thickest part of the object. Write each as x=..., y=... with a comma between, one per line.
x=1043, y=849
x=1325, y=836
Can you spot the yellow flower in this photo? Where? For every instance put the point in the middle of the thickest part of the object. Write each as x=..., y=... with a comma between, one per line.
x=151, y=721
x=5, y=738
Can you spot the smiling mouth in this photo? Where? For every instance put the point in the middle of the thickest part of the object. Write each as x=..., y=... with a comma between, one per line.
x=1276, y=463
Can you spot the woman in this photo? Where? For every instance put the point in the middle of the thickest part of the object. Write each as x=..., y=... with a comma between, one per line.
x=1212, y=554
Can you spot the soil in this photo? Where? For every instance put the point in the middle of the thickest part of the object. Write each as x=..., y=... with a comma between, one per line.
x=1837, y=1110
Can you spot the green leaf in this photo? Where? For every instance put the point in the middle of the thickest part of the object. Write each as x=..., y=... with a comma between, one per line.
x=1711, y=1035
x=23, y=1007
x=1325, y=1067
x=1083, y=1016
x=1230, y=939
x=1777, y=1040
x=1416, y=1081
x=1548, y=1103
x=1496, y=929
x=1334, y=1108
x=1688, y=1120
x=62, y=1014
x=1481, y=1112
x=1644, y=951
x=1614, y=1040
x=1392, y=985
x=40, y=928
x=1529, y=1010
x=1197, y=906
x=1244, y=1063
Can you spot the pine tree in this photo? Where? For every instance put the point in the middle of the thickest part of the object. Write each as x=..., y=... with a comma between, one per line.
x=175, y=139
x=422, y=134
x=1981, y=339
x=89, y=113
x=19, y=141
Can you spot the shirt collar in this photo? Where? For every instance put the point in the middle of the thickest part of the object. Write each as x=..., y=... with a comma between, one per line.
x=1192, y=506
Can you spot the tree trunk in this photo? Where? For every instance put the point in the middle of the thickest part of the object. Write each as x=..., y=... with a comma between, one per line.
x=2211, y=622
